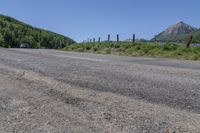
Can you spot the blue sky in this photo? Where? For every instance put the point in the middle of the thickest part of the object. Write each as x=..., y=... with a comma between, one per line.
x=82, y=19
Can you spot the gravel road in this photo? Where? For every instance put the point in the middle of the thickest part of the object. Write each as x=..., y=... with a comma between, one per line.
x=65, y=92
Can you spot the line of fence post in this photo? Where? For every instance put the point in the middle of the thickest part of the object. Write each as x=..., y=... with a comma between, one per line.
x=109, y=37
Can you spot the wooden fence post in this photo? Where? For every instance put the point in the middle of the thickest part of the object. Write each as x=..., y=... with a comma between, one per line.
x=117, y=37
x=108, y=37
x=133, y=38
x=99, y=40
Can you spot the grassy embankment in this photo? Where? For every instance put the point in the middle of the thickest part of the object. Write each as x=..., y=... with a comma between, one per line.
x=138, y=49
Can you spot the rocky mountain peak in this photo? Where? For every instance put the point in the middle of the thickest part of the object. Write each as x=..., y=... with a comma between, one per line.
x=178, y=28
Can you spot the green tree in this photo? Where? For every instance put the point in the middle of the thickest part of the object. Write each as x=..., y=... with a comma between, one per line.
x=1, y=40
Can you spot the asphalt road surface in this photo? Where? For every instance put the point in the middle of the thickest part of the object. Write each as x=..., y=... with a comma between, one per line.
x=65, y=92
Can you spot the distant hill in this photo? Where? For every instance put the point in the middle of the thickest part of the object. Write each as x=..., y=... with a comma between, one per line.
x=176, y=33
x=13, y=33
x=196, y=35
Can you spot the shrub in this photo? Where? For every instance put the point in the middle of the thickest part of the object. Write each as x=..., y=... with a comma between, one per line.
x=169, y=47
x=87, y=47
x=117, y=46
x=137, y=47
x=95, y=48
x=108, y=50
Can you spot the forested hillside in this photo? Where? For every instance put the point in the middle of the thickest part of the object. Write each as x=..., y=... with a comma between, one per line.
x=13, y=33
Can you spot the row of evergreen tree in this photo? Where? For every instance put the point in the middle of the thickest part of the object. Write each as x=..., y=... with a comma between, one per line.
x=13, y=33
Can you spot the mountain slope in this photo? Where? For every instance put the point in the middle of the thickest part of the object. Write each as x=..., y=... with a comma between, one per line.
x=176, y=33
x=196, y=35
x=13, y=33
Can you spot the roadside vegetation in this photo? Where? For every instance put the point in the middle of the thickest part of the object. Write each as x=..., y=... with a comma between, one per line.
x=169, y=50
